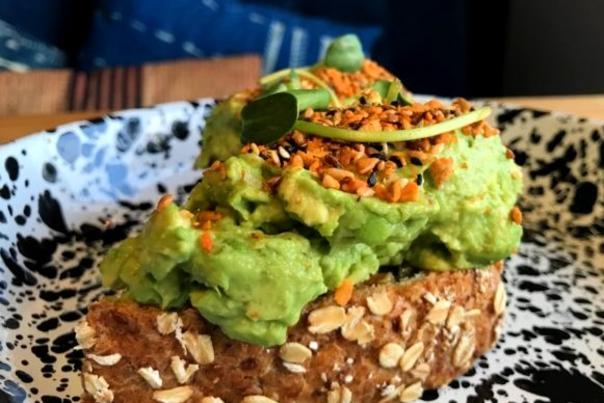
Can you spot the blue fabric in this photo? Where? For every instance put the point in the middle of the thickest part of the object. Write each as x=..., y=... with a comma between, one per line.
x=20, y=52
x=130, y=31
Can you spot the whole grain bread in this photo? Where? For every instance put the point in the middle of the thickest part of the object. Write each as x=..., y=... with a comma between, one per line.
x=389, y=343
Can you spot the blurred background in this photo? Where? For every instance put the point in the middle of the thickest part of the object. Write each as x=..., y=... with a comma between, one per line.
x=449, y=47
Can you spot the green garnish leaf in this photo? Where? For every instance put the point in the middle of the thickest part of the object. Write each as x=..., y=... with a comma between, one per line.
x=393, y=136
x=269, y=117
x=345, y=53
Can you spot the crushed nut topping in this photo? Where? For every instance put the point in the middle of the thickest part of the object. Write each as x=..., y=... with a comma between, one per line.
x=438, y=313
x=441, y=170
x=182, y=372
x=411, y=356
x=210, y=399
x=500, y=299
x=411, y=392
x=380, y=303
x=348, y=84
x=258, y=399
x=295, y=353
x=327, y=319
x=390, y=354
x=151, y=376
x=179, y=394
x=199, y=346
x=105, y=360
x=339, y=394
x=85, y=335
x=98, y=388
x=167, y=322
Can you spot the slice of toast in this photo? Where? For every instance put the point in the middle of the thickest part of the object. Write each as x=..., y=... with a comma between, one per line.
x=389, y=343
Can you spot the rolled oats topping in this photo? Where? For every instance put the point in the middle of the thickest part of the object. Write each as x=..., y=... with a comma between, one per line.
x=456, y=316
x=355, y=328
x=151, y=376
x=258, y=399
x=380, y=303
x=500, y=299
x=294, y=368
x=181, y=370
x=85, y=335
x=411, y=356
x=438, y=313
x=98, y=388
x=464, y=350
x=105, y=360
x=327, y=319
x=199, y=346
x=339, y=394
x=405, y=322
x=179, y=394
x=421, y=371
x=295, y=353
x=411, y=392
x=167, y=322
x=390, y=354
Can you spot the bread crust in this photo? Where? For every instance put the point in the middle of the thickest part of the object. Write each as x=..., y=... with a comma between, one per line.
x=442, y=322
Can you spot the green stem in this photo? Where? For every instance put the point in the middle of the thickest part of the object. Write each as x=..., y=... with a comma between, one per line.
x=302, y=72
x=279, y=74
x=394, y=136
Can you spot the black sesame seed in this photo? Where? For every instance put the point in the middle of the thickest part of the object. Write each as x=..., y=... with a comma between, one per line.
x=416, y=161
x=362, y=100
x=396, y=160
x=380, y=156
x=330, y=112
x=372, y=180
x=420, y=179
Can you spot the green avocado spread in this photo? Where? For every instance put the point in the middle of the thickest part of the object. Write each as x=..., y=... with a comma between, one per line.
x=276, y=249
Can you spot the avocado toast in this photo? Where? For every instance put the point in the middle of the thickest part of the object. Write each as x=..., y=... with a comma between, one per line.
x=343, y=252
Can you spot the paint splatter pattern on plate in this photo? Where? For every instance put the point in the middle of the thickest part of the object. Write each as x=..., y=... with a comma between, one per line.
x=67, y=195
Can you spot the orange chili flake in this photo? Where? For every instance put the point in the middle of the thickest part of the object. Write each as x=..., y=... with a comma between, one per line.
x=441, y=170
x=164, y=201
x=343, y=293
x=410, y=192
x=516, y=215
x=509, y=154
x=205, y=240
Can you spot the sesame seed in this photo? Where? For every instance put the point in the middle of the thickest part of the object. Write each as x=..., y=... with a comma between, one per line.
x=420, y=179
x=416, y=161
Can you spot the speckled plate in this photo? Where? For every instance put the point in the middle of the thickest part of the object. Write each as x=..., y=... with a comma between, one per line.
x=66, y=195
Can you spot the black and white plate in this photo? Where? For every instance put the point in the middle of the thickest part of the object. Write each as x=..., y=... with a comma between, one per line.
x=68, y=194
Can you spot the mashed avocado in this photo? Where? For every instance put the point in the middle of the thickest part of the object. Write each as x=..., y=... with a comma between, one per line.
x=222, y=132
x=275, y=250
